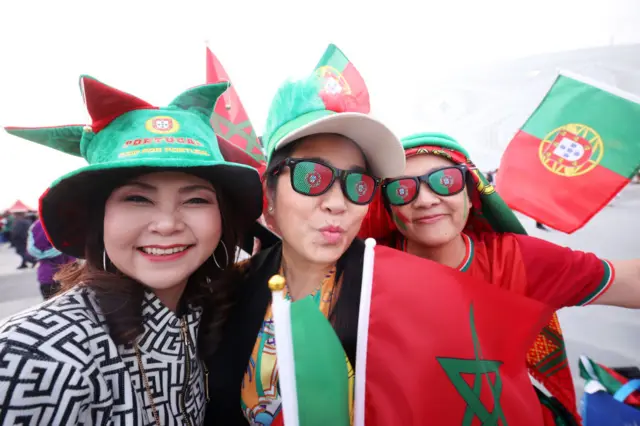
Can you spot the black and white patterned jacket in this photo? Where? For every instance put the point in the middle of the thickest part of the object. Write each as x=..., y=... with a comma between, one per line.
x=58, y=366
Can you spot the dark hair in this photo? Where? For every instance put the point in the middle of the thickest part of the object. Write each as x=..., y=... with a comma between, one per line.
x=344, y=313
x=120, y=297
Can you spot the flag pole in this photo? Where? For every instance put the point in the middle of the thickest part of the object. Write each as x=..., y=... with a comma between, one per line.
x=281, y=310
x=363, y=332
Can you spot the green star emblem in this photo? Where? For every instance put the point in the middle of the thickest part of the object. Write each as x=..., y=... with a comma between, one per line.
x=455, y=369
x=219, y=125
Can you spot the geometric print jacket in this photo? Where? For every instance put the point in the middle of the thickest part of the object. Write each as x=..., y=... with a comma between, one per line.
x=59, y=366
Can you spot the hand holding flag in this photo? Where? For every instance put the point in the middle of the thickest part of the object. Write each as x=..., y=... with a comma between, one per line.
x=312, y=371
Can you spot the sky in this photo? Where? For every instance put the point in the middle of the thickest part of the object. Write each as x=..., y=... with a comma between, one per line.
x=155, y=50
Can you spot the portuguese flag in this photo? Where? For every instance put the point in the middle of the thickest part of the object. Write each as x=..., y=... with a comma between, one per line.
x=313, y=376
x=238, y=139
x=577, y=150
x=341, y=80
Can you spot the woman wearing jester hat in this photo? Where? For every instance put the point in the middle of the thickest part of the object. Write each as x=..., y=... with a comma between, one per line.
x=442, y=208
x=157, y=215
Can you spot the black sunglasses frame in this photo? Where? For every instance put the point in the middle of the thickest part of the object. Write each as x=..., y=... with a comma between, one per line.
x=425, y=178
x=337, y=173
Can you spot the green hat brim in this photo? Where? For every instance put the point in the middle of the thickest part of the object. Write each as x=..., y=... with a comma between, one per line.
x=381, y=147
x=64, y=207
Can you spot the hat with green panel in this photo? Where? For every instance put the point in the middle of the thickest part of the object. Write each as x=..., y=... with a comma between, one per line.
x=490, y=211
x=129, y=135
x=302, y=108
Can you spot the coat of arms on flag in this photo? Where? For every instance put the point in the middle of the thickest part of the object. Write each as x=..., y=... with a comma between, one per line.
x=571, y=150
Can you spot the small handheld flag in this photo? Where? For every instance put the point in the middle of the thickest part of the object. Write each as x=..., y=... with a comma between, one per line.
x=341, y=80
x=313, y=377
x=577, y=150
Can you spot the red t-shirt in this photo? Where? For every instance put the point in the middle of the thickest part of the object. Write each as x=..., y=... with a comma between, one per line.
x=555, y=275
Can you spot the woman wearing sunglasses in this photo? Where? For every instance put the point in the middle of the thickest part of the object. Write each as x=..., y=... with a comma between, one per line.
x=442, y=208
x=324, y=167
x=157, y=215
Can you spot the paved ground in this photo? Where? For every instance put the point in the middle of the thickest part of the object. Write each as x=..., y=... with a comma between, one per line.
x=608, y=335
x=18, y=288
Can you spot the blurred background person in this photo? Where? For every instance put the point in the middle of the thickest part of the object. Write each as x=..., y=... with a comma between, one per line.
x=19, y=235
x=49, y=259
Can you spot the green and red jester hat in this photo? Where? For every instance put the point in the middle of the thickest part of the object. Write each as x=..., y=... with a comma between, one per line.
x=128, y=135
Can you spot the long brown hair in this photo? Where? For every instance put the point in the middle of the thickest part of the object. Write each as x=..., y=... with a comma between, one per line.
x=120, y=297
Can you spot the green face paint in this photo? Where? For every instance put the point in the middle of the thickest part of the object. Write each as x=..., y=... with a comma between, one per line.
x=399, y=219
x=465, y=215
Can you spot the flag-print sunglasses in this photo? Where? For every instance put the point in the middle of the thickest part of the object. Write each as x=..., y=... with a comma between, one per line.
x=445, y=181
x=315, y=177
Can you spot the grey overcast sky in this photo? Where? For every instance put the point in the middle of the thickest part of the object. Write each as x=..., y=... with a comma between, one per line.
x=155, y=50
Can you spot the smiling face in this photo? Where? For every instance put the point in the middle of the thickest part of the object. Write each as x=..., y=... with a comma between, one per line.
x=160, y=227
x=319, y=229
x=432, y=220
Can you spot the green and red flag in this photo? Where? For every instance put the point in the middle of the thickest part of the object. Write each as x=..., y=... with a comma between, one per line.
x=436, y=350
x=238, y=140
x=342, y=82
x=606, y=378
x=577, y=150
x=312, y=372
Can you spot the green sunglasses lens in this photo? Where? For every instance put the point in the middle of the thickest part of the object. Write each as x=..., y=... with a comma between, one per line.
x=447, y=181
x=311, y=178
x=359, y=187
x=401, y=191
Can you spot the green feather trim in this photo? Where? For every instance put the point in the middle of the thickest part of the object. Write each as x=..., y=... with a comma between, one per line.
x=293, y=99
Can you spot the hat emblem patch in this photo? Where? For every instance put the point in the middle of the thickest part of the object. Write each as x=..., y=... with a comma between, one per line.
x=162, y=125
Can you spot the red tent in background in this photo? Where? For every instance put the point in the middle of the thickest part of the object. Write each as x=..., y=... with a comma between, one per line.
x=19, y=206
